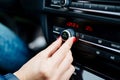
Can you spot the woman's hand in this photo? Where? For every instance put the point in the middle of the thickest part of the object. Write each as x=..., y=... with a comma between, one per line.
x=53, y=63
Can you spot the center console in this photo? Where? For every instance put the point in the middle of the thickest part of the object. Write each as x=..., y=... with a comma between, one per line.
x=95, y=24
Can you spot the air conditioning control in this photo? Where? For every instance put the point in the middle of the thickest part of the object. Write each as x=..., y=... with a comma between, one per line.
x=67, y=33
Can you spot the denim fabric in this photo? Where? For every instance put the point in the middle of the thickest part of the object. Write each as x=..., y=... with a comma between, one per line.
x=13, y=52
x=2, y=77
x=8, y=76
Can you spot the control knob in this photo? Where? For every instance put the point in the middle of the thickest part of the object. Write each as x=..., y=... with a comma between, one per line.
x=64, y=2
x=67, y=33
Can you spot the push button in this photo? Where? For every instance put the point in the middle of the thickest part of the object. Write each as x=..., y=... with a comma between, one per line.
x=117, y=8
x=111, y=8
x=58, y=29
x=102, y=7
x=87, y=6
x=94, y=6
x=77, y=5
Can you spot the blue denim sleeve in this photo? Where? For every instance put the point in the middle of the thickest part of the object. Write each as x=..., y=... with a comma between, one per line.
x=13, y=51
x=8, y=76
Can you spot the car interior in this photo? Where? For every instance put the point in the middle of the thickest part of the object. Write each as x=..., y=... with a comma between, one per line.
x=95, y=24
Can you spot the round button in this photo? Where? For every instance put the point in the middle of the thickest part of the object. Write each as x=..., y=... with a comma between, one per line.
x=65, y=34
x=64, y=2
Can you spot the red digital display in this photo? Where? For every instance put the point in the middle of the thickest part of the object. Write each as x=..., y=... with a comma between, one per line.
x=72, y=24
x=89, y=28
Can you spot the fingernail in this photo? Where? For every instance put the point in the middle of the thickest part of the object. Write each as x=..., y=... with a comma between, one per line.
x=74, y=39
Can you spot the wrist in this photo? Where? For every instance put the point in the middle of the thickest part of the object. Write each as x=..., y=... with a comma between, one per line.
x=20, y=75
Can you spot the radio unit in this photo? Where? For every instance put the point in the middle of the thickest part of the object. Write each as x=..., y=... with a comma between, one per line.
x=111, y=7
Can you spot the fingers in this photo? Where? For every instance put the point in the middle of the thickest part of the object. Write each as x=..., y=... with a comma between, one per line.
x=67, y=75
x=63, y=50
x=49, y=51
x=65, y=64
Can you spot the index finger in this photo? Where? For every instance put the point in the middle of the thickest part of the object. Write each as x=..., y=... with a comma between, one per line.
x=63, y=50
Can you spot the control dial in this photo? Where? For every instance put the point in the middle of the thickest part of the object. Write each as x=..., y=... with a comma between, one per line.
x=67, y=33
x=64, y=2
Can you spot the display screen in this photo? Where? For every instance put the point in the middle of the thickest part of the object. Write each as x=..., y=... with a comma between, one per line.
x=103, y=30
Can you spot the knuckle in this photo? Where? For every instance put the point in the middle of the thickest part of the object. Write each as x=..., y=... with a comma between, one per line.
x=46, y=73
x=72, y=68
x=71, y=57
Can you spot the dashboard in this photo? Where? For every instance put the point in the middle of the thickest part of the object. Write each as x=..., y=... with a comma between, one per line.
x=95, y=24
